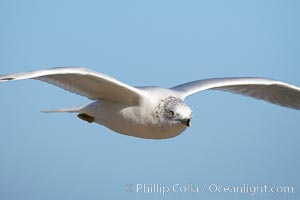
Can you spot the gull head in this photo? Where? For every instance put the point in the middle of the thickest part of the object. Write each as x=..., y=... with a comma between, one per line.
x=174, y=111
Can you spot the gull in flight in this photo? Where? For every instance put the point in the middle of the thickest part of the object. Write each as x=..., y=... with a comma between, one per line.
x=150, y=112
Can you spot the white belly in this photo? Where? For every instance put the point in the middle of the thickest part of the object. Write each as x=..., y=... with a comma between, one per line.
x=130, y=121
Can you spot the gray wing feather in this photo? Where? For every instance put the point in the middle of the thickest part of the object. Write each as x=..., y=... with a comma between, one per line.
x=272, y=91
x=84, y=82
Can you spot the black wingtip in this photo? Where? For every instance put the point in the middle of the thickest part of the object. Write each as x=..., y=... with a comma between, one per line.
x=7, y=79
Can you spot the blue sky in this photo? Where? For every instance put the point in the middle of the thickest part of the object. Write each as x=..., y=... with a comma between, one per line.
x=233, y=141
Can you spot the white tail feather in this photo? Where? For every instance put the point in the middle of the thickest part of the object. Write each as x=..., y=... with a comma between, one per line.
x=69, y=110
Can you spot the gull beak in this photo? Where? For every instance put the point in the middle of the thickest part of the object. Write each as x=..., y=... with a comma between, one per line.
x=186, y=122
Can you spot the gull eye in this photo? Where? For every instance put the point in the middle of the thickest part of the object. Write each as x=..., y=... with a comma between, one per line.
x=171, y=113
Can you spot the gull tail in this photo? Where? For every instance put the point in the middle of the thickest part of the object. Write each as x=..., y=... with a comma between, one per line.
x=76, y=109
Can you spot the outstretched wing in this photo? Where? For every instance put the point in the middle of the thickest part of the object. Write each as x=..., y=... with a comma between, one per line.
x=84, y=82
x=276, y=92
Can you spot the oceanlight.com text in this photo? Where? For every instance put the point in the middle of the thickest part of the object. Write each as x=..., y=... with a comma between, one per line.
x=248, y=189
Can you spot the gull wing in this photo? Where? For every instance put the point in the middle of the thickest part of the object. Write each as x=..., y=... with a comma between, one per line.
x=269, y=90
x=85, y=82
